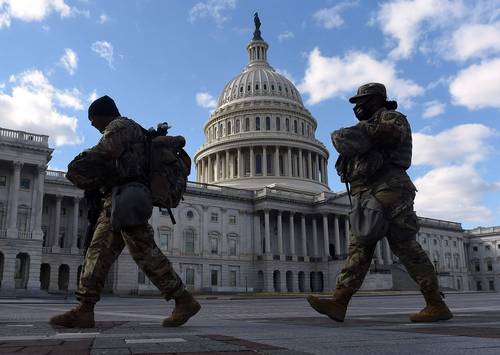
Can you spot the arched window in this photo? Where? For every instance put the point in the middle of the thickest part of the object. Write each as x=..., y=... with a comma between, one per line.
x=287, y=125
x=258, y=164
x=241, y=88
x=247, y=124
x=295, y=128
x=237, y=126
x=268, y=123
x=257, y=123
x=303, y=130
x=164, y=238
x=278, y=124
x=228, y=130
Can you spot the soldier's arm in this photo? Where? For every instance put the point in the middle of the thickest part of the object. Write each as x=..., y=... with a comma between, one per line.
x=112, y=143
x=389, y=130
x=351, y=141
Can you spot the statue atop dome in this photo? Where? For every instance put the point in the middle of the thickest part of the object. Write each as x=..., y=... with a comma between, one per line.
x=256, y=33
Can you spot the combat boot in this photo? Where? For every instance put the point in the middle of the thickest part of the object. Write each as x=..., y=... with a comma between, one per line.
x=434, y=311
x=335, y=308
x=82, y=316
x=185, y=307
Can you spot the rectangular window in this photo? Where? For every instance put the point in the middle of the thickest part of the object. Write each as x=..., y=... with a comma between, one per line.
x=268, y=123
x=477, y=267
x=232, y=219
x=474, y=248
x=214, y=217
x=164, y=236
x=190, y=245
x=479, y=286
x=63, y=211
x=489, y=265
x=214, y=246
x=278, y=124
x=492, y=285
x=190, y=277
x=3, y=180
x=25, y=183
x=214, y=277
x=454, y=243
x=232, y=278
x=232, y=247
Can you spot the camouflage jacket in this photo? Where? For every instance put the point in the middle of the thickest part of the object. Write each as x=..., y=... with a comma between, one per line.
x=120, y=156
x=382, y=143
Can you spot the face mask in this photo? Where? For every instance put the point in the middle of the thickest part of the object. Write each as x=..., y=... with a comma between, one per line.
x=364, y=109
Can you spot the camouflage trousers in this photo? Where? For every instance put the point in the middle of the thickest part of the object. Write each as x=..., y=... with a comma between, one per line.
x=401, y=236
x=107, y=245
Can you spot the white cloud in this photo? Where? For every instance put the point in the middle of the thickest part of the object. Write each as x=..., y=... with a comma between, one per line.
x=215, y=9
x=283, y=36
x=453, y=193
x=35, y=10
x=458, y=145
x=103, y=18
x=69, y=61
x=104, y=50
x=475, y=41
x=204, y=99
x=34, y=105
x=331, y=18
x=328, y=77
x=477, y=86
x=433, y=109
x=453, y=180
x=406, y=21
x=92, y=96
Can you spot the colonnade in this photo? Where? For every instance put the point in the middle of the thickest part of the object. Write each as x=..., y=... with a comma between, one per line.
x=322, y=235
x=72, y=240
x=262, y=161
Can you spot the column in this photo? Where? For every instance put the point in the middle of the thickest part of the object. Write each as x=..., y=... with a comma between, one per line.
x=14, y=199
x=277, y=160
x=317, y=170
x=303, y=232
x=378, y=252
x=309, y=165
x=267, y=232
x=326, y=171
x=257, y=235
x=301, y=167
x=226, y=173
x=38, y=234
x=57, y=224
x=289, y=172
x=204, y=231
x=388, y=259
x=346, y=224
x=76, y=205
x=252, y=163
x=240, y=164
x=326, y=235
x=336, y=235
x=232, y=168
x=280, y=234
x=264, y=161
x=315, y=236
x=210, y=169
x=217, y=166
x=292, y=237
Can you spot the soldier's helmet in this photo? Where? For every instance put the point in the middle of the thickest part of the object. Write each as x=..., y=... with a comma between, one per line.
x=367, y=90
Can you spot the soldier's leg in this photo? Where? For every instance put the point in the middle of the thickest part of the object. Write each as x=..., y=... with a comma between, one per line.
x=350, y=280
x=156, y=266
x=403, y=243
x=104, y=249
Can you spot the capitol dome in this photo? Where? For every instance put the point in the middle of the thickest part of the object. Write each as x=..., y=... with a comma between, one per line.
x=260, y=133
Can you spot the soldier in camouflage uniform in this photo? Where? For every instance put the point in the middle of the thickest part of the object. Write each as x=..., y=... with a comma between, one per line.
x=119, y=158
x=374, y=157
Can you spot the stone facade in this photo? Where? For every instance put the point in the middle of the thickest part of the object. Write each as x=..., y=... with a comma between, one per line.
x=260, y=217
x=483, y=250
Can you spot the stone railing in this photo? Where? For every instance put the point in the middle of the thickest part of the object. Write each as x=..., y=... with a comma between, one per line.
x=24, y=235
x=192, y=185
x=56, y=174
x=431, y=222
x=24, y=137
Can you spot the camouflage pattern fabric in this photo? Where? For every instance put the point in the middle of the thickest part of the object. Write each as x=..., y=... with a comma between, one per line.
x=106, y=246
x=396, y=197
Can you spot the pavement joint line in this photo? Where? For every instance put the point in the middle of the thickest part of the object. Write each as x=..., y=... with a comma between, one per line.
x=154, y=341
x=75, y=335
x=19, y=325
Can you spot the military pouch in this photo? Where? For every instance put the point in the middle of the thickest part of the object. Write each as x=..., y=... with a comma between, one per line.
x=367, y=219
x=131, y=205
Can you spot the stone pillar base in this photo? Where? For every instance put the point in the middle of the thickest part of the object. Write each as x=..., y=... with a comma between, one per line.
x=37, y=234
x=12, y=233
x=267, y=257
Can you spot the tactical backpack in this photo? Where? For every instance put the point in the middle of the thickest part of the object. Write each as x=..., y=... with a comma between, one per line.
x=169, y=168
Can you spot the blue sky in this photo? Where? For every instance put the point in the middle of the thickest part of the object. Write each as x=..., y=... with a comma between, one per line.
x=169, y=60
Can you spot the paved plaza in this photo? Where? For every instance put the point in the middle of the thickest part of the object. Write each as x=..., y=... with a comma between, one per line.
x=374, y=325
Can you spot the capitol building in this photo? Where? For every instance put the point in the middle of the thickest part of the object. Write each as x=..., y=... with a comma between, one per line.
x=259, y=217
